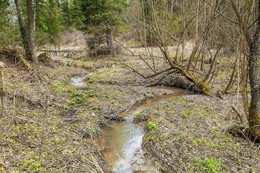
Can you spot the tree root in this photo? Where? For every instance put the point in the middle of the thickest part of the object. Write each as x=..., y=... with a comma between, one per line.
x=252, y=135
x=17, y=54
x=203, y=86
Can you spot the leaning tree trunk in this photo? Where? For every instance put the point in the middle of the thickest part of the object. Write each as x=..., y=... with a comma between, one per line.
x=254, y=76
x=22, y=28
x=31, y=30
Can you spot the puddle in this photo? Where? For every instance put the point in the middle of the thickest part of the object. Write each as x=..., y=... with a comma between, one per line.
x=78, y=81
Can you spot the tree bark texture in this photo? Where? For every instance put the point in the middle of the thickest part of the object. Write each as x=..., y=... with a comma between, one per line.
x=254, y=76
x=109, y=41
x=31, y=30
x=22, y=28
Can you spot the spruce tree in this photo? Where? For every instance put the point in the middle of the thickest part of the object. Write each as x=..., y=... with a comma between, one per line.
x=8, y=30
x=102, y=18
x=49, y=22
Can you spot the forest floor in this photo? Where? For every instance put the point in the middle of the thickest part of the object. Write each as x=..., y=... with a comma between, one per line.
x=53, y=114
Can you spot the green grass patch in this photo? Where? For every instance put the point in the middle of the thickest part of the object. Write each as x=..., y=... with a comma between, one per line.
x=186, y=113
x=207, y=165
x=80, y=97
x=151, y=125
x=59, y=87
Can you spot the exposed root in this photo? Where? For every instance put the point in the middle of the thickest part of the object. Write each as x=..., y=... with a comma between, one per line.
x=174, y=79
x=253, y=133
x=16, y=56
x=237, y=130
x=44, y=58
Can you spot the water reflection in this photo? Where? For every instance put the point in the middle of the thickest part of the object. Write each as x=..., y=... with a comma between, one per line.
x=121, y=144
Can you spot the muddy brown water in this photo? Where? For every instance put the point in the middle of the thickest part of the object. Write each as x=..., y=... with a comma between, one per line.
x=121, y=145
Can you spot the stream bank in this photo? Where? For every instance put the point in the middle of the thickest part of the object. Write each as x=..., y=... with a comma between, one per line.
x=121, y=144
x=190, y=134
x=181, y=134
x=186, y=133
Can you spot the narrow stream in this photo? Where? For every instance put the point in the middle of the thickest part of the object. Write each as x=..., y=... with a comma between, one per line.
x=121, y=144
x=122, y=147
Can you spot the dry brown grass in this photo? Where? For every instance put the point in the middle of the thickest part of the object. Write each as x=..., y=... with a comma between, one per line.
x=191, y=136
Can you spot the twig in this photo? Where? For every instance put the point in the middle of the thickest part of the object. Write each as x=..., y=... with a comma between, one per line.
x=163, y=71
x=238, y=114
x=24, y=119
x=2, y=93
x=148, y=65
x=134, y=70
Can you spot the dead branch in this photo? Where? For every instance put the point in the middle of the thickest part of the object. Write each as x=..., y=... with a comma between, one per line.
x=134, y=70
x=142, y=58
x=238, y=114
x=24, y=119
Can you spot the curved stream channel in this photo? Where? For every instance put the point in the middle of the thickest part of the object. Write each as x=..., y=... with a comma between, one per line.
x=122, y=143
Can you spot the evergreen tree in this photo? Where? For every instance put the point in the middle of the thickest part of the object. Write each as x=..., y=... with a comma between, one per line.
x=72, y=11
x=49, y=21
x=55, y=22
x=8, y=27
x=66, y=12
x=102, y=18
x=4, y=14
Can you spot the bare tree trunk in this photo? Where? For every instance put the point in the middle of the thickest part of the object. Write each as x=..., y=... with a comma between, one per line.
x=109, y=41
x=197, y=19
x=254, y=71
x=193, y=54
x=28, y=37
x=229, y=85
x=22, y=28
x=31, y=30
x=244, y=84
x=211, y=71
x=2, y=93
